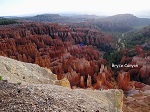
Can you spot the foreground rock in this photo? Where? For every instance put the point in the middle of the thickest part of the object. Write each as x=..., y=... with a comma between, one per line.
x=39, y=91
x=27, y=73
x=47, y=98
x=16, y=71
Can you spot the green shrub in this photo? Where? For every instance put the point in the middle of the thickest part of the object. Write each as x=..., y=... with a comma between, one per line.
x=1, y=78
x=113, y=57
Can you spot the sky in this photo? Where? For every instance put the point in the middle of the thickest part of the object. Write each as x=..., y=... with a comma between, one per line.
x=97, y=7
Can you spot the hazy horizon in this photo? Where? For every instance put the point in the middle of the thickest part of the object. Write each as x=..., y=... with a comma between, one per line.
x=138, y=8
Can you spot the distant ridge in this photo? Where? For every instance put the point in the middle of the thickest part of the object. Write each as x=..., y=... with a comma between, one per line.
x=121, y=17
x=115, y=23
x=48, y=15
x=130, y=19
x=120, y=22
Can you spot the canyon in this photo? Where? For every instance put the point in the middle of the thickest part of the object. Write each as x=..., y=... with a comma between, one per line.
x=72, y=55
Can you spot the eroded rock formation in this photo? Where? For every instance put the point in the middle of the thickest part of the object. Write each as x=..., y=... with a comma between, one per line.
x=69, y=52
x=141, y=60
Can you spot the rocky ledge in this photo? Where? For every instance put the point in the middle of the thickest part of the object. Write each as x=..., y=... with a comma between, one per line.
x=53, y=98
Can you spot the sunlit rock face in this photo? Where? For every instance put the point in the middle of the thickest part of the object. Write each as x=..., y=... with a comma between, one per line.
x=25, y=73
x=123, y=80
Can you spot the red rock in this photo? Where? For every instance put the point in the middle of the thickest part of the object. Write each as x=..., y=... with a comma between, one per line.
x=82, y=85
x=73, y=78
x=59, y=48
x=123, y=80
x=89, y=81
